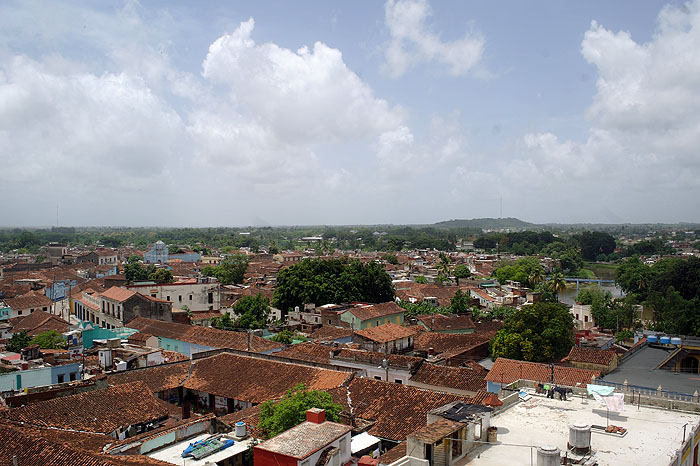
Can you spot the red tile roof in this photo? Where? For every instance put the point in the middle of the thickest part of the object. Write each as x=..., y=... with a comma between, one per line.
x=157, y=378
x=591, y=356
x=372, y=311
x=509, y=370
x=305, y=439
x=32, y=448
x=40, y=321
x=386, y=332
x=460, y=378
x=99, y=411
x=330, y=333
x=446, y=323
x=256, y=380
x=30, y=300
x=442, y=342
x=206, y=336
x=118, y=294
x=396, y=409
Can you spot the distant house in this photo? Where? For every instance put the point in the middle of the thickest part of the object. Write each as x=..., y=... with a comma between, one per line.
x=386, y=338
x=363, y=316
x=28, y=303
x=506, y=371
x=447, y=324
x=157, y=255
x=99, y=257
x=595, y=359
x=118, y=306
x=311, y=443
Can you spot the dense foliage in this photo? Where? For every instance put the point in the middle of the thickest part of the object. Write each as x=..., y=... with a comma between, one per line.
x=526, y=270
x=595, y=244
x=252, y=311
x=290, y=411
x=18, y=341
x=49, y=340
x=670, y=288
x=541, y=332
x=231, y=270
x=324, y=281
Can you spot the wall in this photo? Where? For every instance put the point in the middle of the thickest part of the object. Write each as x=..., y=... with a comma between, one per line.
x=38, y=377
x=194, y=295
x=267, y=458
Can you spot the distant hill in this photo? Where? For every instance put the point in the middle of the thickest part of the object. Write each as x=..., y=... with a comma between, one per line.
x=485, y=223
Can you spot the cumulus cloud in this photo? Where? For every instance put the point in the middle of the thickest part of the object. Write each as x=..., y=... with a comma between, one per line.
x=644, y=131
x=413, y=42
x=281, y=105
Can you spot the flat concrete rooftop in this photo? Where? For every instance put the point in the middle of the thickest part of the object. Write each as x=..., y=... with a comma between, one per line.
x=653, y=435
x=172, y=453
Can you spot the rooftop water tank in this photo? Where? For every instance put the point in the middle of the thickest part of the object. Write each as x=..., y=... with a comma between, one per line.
x=665, y=340
x=239, y=429
x=675, y=341
x=548, y=455
x=652, y=338
x=580, y=437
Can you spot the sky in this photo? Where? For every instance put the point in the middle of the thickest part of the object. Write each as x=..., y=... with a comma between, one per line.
x=263, y=113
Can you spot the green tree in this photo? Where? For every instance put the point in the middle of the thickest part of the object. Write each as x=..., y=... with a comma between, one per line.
x=252, y=312
x=49, y=340
x=391, y=259
x=520, y=271
x=162, y=276
x=324, y=281
x=286, y=337
x=460, y=303
x=421, y=279
x=18, y=341
x=290, y=411
x=541, y=332
x=461, y=271
x=443, y=268
x=231, y=270
x=136, y=272
x=536, y=276
x=557, y=284
x=223, y=323
x=594, y=243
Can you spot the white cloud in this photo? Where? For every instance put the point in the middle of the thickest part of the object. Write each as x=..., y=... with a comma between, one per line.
x=645, y=126
x=413, y=42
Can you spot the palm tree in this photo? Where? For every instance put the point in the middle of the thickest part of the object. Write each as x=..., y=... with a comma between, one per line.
x=557, y=283
x=443, y=268
x=536, y=276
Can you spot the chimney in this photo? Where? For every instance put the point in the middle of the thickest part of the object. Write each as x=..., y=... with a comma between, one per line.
x=431, y=352
x=316, y=415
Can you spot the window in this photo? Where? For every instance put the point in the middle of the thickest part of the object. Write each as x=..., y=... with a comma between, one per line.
x=399, y=381
x=190, y=297
x=19, y=313
x=168, y=298
x=153, y=295
x=179, y=298
x=60, y=378
x=72, y=376
x=585, y=318
x=377, y=377
x=210, y=297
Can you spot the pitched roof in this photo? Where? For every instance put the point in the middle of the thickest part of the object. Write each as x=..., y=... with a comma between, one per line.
x=442, y=323
x=372, y=311
x=441, y=342
x=330, y=333
x=206, y=336
x=591, y=356
x=314, y=352
x=40, y=321
x=100, y=411
x=256, y=380
x=437, y=430
x=386, y=332
x=396, y=409
x=460, y=378
x=32, y=448
x=157, y=378
x=118, y=294
x=304, y=439
x=509, y=370
x=28, y=301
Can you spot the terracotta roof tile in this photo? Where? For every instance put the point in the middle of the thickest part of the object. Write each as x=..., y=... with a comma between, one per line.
x=157, y=378
x=206, y=336
x=591, y=356
x=304, y=439
x=444, y=323
x=28, y=301
x=460, y=378
x=118, y=294
x=509, y=370
x=241, y=377
x=386, y=332
x=372, y=311
x=99, y=411
x=397, y=410
x=330, y=333
x=442, y=342
x=396, y=453
x=40, y=321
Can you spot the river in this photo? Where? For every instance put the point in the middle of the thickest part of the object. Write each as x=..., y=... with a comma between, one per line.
x=606, y=273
